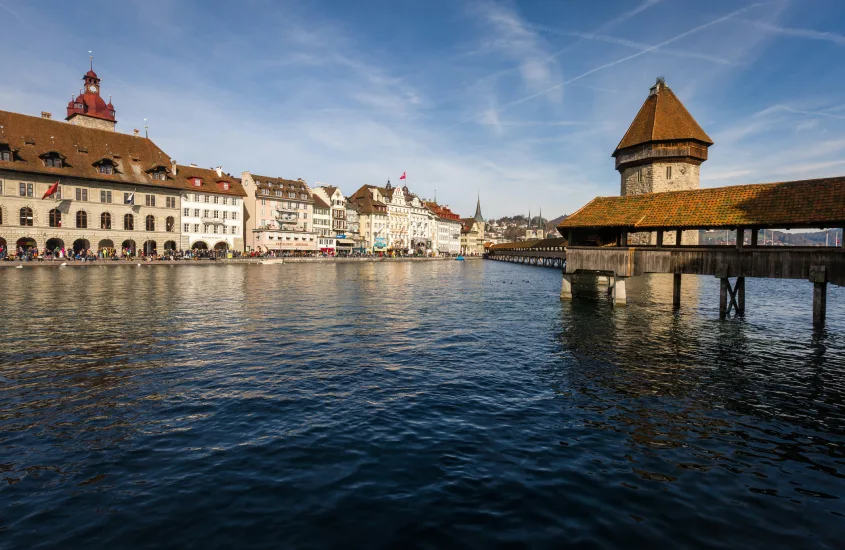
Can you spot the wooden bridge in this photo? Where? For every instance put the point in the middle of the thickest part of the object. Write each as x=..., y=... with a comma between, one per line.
x=620, y=237
x=543, y=252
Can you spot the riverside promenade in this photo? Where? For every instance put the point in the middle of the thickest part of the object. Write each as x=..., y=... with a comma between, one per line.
x=152, y=263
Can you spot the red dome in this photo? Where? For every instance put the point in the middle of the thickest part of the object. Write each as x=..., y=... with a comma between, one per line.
x=92, y=74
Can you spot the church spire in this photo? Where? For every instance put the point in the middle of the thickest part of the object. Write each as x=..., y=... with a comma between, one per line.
x=478, y=216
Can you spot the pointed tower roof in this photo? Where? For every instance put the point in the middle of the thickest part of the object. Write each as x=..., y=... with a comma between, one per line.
x=478, y=216
x=662, y=118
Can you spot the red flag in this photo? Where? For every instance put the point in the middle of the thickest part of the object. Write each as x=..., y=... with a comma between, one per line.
x=402, y=176
x=51, y=191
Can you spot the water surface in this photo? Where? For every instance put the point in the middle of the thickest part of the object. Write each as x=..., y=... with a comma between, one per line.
x=413, y=405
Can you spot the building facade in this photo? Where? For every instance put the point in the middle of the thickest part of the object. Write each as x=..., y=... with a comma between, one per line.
x=212, y=209
x=662, y=151
x=373, y=219
x=326, y=238
x=114, y=191
x=278, y=215
x=446, y=234
x=472, y=233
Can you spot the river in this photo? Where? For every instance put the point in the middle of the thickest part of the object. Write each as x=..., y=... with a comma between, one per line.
x=413, y=405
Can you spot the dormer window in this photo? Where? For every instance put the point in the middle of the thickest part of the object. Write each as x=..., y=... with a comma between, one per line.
x=159, y=175
x=225, y=185
x=196, y=182
x=5, y=153
x=52, y=160
x=105, y=166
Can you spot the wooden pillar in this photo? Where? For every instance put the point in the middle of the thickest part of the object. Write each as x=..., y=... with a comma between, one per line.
x=625, y=238
x=679, y=236
x=818, y=276
x=723, y=297
x=842, y=241
x=620, y=297
x=659, y=239
x=676, y=291
x=740, y=295
x=755, y=232
x=740, y=237
x=566, y=287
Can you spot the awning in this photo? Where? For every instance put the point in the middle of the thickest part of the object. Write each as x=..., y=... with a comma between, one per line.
x=346, y=242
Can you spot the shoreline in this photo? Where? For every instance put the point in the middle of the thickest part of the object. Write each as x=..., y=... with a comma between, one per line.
x=234, y=261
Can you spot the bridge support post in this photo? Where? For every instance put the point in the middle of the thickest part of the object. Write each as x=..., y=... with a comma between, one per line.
x=620, y=297
x=739, y=290
x=676, y=291
x=818, y=277
x=566, y=287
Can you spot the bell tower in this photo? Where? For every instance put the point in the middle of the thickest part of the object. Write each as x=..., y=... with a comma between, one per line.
x=88, y=108
x=662, y=151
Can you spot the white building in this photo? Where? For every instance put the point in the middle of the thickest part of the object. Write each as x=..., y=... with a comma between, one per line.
x=334, y=197
x=212, y=210
x=446, y=234
x=326, y=238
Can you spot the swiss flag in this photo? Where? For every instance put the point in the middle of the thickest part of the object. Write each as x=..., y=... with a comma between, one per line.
x=51, y=191
x=402, y=176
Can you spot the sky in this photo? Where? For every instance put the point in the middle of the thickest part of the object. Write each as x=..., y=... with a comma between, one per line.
x=522, y=102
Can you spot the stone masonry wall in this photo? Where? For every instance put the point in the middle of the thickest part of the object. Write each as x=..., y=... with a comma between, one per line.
x=655, y=179
x=91, y=122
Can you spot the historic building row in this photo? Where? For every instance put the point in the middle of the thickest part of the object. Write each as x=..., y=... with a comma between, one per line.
x=79, y=184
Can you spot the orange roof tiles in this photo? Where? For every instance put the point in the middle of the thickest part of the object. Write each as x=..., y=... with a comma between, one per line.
x=662, y=118
x=806, y=203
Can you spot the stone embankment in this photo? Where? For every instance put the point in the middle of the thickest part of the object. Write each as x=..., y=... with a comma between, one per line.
x=144, y=263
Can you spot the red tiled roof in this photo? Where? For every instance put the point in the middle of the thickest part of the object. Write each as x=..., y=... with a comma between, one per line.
x=806, y=203
x=662, y=118
x=82, y=148
x=211, y=182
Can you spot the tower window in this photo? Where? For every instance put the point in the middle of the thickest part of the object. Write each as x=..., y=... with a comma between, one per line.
x=668, y=172
x=640, y=175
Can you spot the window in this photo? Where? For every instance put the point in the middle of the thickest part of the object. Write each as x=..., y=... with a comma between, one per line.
x=234, y=215
x=55, y=218
x=640, y=175
x=53, y=161
x=151, y=223
x=234, y=202
x=215, y=229
x=105, y=220
x=225, y=214
x=169, y=224
x=186, y=228
x=291, y=195
x=82, y=219
x=26, y=216
x=216, y=213
x=105, y=168
x=160, y=175
x=263, y=201
x=170, y=202
x=6, y=155
x=225, y=199
x=668, y=172
x=205, y=213
x=196, y=212
x=265, y=191
x=197, y=182
x=129, y=198
x=186, y=212
x=206, y=228
x=216, y=198
x=81, y=194
x=105, y=196
x=129, y=222
x=150, y=200
x=196, y=228
x=26, y=189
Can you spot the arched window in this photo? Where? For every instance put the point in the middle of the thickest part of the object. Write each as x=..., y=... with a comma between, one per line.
x=55, y=218
x=129, y=222
x=81, y=219
x=105, y=220
x=151, y=223
x=26, y=216
x=170, y=224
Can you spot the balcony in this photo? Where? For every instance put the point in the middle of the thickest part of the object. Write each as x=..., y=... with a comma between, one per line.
x=287, y=218
x=213, y=221
x=282, y=209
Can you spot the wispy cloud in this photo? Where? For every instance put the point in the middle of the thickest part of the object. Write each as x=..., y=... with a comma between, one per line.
x=799, y=33
x=625, y=59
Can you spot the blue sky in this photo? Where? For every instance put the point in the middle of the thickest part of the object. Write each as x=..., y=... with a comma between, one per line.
x=523, y=101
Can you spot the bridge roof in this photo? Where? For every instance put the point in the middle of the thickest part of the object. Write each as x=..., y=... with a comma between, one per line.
x=806, y=203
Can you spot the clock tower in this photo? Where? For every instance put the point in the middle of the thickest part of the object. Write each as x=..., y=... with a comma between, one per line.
x=89, y=109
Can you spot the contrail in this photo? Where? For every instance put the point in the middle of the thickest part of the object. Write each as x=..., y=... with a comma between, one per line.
x=624, y=59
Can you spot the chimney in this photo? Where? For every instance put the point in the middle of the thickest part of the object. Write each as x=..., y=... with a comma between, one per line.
x=173, y=166
x=658, y=85
x=45, y=114
x=219, y=170
x=193, y=165
x=136, y=131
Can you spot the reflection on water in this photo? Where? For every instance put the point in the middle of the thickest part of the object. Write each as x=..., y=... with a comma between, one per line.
x=414, y=405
